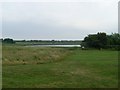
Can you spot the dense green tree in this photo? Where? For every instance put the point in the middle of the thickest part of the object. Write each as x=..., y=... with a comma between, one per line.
x=98, y=40
x=113, y=40
x=8, y=40
x=101, y=40
x=1, y=40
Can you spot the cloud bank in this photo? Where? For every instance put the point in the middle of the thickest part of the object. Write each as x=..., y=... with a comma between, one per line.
x=57, y=20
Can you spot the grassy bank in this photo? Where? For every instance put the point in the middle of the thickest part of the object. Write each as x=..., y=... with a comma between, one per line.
x=60, y=68
x=31, y=55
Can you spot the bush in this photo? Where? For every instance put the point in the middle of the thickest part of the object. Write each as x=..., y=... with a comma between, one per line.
x=8, y=40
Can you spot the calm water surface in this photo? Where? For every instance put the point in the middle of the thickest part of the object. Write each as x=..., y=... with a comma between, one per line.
x=54, y=46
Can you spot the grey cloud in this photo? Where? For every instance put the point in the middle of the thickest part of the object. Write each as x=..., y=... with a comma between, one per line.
x=57, y=20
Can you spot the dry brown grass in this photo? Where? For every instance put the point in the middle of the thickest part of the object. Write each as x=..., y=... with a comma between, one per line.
x=31, y=55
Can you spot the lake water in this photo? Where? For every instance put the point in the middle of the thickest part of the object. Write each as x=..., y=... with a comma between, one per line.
x=55, y=46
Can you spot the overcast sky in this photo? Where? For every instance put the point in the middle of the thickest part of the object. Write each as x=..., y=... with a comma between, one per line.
x=58, y=20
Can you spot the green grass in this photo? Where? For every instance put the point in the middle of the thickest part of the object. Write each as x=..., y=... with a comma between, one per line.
x=74, y=68
x=0, y=65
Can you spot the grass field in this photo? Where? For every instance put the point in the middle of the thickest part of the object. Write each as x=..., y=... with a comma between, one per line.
x=33, y=67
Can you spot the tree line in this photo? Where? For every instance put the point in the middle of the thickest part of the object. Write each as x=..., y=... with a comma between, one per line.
x=41, y=42
x=99, y=41
x=102, y=40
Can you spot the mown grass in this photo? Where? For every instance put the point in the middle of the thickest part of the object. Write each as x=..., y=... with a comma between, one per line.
x=74, y=68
